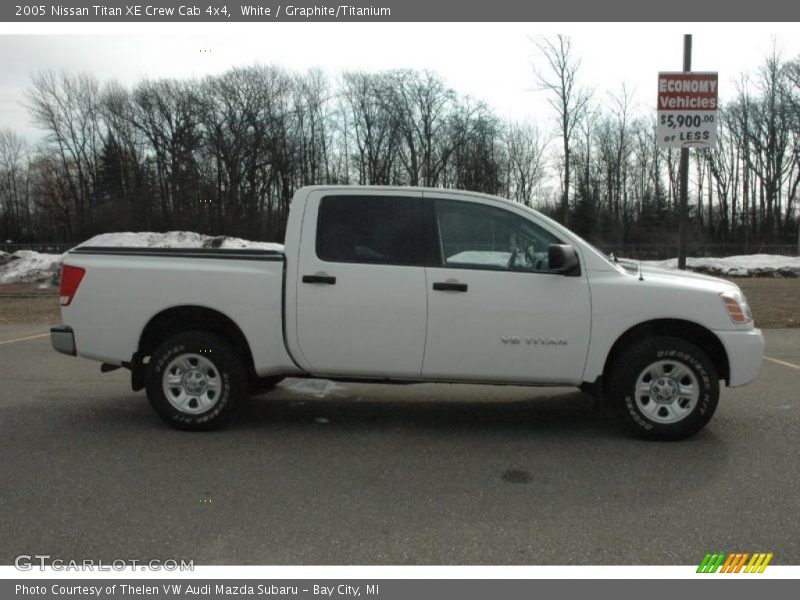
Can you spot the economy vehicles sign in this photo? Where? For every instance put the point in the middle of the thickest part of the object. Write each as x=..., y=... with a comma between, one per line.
x=687, y=109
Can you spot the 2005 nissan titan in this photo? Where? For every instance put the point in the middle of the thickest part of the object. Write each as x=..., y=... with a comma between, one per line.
x=409, y=285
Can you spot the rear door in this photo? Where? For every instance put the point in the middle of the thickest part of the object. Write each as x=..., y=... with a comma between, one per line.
x=495, y=312
x=361, y=293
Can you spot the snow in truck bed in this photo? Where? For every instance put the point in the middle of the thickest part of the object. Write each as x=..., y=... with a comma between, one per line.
x=35, y=267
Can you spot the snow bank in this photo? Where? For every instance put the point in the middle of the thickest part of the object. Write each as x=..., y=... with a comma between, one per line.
x=26, y=266
x=751, y=265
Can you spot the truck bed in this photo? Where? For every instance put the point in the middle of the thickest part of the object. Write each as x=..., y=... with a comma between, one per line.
x=129, y=287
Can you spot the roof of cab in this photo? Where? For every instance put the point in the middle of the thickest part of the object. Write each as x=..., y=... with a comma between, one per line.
x=400, y=188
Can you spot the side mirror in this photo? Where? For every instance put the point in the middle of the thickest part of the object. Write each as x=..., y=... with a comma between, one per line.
x=562, y=258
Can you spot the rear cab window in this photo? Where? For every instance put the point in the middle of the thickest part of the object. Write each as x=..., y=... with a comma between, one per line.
x=370, y=229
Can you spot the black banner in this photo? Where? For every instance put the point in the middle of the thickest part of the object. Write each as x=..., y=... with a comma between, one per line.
x=394, y=589
x=184, y=11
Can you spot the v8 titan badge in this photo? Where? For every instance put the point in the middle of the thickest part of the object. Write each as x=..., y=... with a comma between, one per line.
x=687, y=110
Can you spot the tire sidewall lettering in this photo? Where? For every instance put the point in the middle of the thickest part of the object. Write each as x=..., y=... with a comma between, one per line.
x=648, y=351
x=692, y=363
x=168, y=356
x=221, y=363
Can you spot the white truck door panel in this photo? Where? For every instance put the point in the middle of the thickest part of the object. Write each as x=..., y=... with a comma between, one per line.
x=489, y=320
x=360, y=285
x=507, y=327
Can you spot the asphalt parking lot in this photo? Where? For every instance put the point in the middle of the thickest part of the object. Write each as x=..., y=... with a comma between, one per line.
x=314, y=473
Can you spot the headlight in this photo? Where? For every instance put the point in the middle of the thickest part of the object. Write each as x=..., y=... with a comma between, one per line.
x=737, y=307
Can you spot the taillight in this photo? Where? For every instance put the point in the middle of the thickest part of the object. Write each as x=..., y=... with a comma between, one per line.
x=70, y=280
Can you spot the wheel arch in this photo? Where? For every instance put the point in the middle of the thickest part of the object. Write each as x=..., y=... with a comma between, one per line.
x=690, y=331
x=177, y=319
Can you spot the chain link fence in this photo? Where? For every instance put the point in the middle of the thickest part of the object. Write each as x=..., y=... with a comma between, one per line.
x=698, y=250
x=43, y=247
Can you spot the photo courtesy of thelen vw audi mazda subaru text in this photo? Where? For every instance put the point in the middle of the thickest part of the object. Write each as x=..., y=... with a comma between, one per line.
x=408, y=285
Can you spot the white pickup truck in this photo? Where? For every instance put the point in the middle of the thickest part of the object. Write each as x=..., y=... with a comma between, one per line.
x=409, y=285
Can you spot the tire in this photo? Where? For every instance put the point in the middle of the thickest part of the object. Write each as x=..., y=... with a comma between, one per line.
x=194, y=381
x=667, y=388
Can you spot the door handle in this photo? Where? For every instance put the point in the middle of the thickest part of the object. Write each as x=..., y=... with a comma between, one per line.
x=324, y=279
x=448, y=286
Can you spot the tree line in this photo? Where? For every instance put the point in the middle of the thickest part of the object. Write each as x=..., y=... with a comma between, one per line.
x=225, y=153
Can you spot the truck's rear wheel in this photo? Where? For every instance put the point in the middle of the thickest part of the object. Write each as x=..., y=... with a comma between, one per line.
x=668, y=388
x=194, y=380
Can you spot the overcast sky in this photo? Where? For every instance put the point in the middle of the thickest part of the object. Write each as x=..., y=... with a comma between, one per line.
x=491, y=62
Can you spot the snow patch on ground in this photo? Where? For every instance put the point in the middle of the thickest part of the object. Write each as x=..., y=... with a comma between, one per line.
x=319, y=388
x=27, y=266
x=751, y=265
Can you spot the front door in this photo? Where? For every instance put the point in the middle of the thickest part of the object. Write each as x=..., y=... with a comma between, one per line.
x=495, y=313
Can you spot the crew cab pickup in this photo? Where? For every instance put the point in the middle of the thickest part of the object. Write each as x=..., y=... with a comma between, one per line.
x=409, y=285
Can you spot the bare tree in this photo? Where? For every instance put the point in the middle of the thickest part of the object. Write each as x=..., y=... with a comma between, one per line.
x=123, y=177
x=224, y=154
x=67, y=107
x=15, y=216
x=422, y=105
x=313, y=120
x=793, y=76
x=374, y=126
x=770, y=137
x=166, y=112
x=570, y=101
x=724, y=161
x=476, y=162
x=525, y=148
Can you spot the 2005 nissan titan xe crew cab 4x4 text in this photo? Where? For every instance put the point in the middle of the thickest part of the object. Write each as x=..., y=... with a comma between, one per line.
x=409, y=285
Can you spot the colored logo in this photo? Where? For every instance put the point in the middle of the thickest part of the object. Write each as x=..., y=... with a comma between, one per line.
x=735, y=562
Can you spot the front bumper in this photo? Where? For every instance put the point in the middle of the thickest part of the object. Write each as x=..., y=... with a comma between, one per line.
x=745, y=351
x=63, y=339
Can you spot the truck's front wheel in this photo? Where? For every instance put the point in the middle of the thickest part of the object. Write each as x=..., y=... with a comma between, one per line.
x=194, y=380
x=667, y=388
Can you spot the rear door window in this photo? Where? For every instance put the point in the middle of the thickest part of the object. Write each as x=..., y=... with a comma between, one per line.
x=370, y=229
